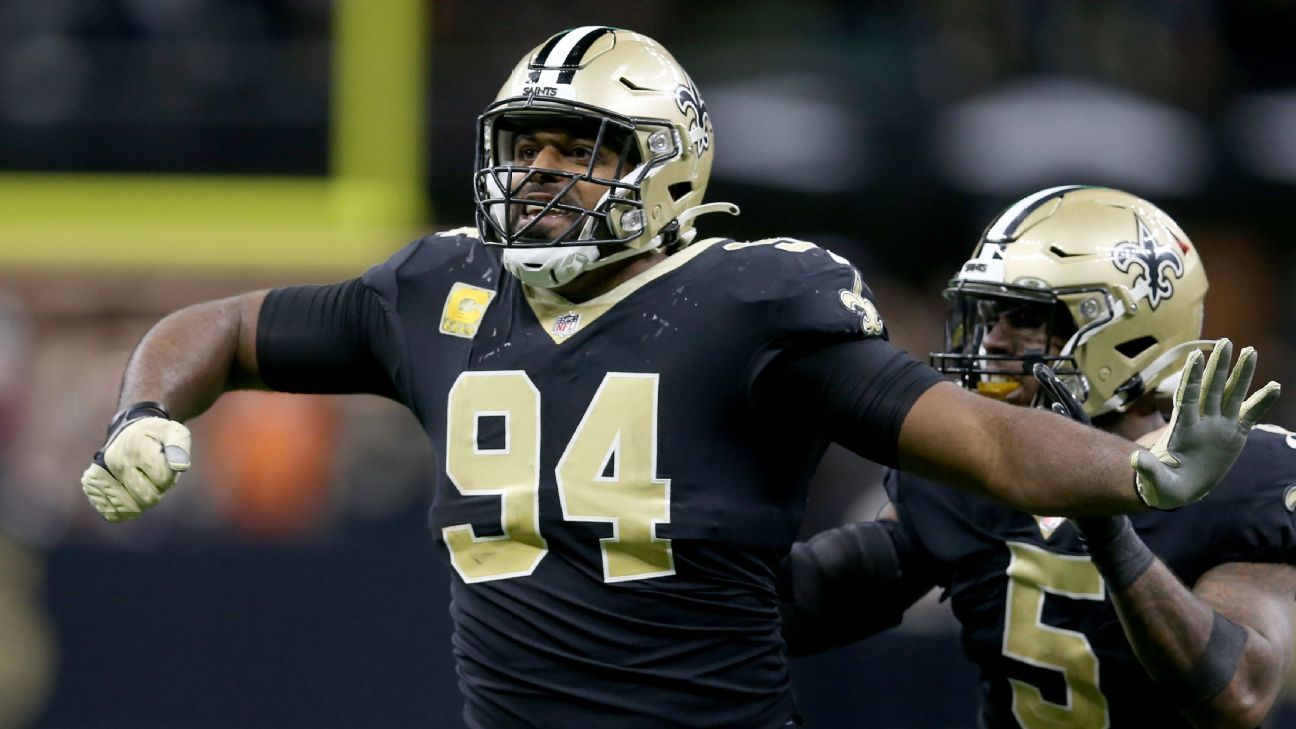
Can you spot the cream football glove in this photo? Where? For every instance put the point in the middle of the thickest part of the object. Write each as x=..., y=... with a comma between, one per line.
x=144, y=455
x=1212, y=416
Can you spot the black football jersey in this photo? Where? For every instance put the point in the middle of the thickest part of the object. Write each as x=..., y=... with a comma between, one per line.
x=1034, y=612
x=610, y=501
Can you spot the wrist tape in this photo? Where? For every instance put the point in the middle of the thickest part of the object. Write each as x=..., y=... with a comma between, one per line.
x=1122, y=557
x=1116, y=549
x=135, y=411
x=1215, y=667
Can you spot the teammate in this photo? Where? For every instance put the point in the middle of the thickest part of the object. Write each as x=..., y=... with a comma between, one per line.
x=618, y=406
x=1084, y=623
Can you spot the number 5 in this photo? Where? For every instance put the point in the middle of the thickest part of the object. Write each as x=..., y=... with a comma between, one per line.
x=1033, y=573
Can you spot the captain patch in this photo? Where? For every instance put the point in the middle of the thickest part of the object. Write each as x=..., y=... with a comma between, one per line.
x=464, y=309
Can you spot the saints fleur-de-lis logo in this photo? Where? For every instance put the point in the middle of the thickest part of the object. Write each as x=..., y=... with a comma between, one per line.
x=692, y=107
x=1157, y=261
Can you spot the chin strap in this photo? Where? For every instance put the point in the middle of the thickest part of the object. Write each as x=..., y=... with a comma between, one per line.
x=548, y=268
x=684, y=224
x=552, y=267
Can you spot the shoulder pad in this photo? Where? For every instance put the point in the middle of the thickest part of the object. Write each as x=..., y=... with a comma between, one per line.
x=1253, y=510
x=467, y=231
x=448, y=254
x=1289, y=436
x=821, y=291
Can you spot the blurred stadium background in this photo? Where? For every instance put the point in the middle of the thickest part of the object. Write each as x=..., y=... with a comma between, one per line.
x=154, y=153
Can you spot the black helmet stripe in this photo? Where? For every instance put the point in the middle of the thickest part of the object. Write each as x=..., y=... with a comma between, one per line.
x=1004, y=228
x=578, y=52
x=562, y=54
x=537, y=61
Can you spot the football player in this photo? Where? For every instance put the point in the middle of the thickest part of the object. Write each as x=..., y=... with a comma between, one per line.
x=615, y=404
x=1155, y=619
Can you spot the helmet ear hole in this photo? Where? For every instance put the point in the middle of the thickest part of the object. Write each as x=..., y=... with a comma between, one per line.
x=1134, y=347
x=680, y=189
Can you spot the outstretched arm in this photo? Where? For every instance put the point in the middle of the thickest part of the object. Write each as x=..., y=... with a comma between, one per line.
x=1038, y=463
x=885, y=406
x=1027, y=458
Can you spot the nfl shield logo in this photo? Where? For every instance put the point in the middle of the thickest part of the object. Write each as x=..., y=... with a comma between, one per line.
x=566, y=325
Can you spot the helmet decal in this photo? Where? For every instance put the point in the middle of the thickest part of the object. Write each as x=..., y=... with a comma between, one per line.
x=986, y=266
x=691, y=105
x=1156, y=260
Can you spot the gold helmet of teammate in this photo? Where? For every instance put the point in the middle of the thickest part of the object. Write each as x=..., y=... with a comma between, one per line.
x=1113, y=283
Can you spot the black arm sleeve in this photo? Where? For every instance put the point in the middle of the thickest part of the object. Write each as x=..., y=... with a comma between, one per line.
x=848, y=583
x=858, y=392
x=327, y=339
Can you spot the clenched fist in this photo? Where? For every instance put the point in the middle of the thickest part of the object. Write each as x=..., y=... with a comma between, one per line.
x=145, y=453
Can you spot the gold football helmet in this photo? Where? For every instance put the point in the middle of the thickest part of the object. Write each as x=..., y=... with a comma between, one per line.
x=629, y=95
x=1108, y=274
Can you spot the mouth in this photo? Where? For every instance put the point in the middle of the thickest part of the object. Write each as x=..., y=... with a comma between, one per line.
x=531, y=211
x=999, y=387
x=547, y=223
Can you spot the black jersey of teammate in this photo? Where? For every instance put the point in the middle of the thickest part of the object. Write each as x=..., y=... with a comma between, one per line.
x=611, y=503
x=1034, y=613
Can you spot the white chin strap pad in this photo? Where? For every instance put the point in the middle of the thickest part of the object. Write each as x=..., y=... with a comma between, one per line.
x=549, y=268
x=554, y=266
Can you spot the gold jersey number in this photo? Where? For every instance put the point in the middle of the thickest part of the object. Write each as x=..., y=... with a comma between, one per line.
x=1033, y=574
x=606, y=474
